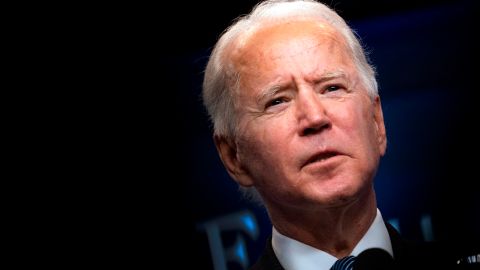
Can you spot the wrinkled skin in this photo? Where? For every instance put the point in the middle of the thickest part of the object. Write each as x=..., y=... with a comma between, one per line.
x=301, y=98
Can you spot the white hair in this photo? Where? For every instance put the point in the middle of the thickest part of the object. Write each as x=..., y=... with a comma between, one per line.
x=221, y=80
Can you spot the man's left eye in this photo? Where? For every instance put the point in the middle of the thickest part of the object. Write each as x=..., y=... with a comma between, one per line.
x=332, y=88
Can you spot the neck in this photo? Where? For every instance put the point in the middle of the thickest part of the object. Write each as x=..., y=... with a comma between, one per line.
x=335, y=230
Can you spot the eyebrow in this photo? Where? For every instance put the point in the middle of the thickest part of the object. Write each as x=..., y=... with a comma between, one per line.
x=271, y=91
x=330, y=76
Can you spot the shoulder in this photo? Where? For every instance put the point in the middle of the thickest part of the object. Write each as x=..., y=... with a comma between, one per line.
x=431, y=255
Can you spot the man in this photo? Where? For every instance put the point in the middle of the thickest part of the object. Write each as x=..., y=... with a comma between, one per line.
x=297, y=117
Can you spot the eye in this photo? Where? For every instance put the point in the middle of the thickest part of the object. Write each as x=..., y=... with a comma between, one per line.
x=274, y=102
x=332, y=88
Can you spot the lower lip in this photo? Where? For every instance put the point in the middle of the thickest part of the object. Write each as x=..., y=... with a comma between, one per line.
x=324, y=162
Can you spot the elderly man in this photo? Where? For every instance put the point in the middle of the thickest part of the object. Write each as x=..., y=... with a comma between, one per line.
x=297, y=117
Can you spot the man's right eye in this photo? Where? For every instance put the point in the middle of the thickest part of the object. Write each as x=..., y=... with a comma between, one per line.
x=275, y=102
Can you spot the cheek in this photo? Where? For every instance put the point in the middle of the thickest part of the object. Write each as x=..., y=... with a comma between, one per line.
x=264, y=148
x=264, y=144
x=357, y=125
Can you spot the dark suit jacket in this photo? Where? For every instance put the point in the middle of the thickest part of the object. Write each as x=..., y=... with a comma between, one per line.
x=408, y=255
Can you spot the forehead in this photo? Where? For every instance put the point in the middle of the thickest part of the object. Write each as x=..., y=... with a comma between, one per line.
x=275, y=53
x=265, y=44
x=287, y=29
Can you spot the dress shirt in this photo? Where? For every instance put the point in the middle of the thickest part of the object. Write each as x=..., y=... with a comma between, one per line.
x=294, y=255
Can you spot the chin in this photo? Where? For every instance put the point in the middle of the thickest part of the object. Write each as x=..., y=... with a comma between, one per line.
x=337, y=194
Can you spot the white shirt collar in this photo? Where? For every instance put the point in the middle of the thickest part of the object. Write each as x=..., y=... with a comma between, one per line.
x=294, y=255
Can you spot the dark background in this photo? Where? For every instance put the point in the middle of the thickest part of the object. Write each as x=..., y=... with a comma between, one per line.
x=425, y=58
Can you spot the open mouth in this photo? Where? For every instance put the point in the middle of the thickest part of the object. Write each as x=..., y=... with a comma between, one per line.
x=321, y=157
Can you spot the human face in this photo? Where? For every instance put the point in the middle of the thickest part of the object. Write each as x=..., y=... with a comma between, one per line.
x=309, y=134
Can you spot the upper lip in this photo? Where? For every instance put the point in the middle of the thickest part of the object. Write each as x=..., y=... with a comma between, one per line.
x=320, y=155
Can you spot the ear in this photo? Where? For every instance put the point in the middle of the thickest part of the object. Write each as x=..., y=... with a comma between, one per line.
x=380, y=125
x=227, y=149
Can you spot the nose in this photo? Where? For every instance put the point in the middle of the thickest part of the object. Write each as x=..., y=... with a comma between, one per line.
x=311, y=113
